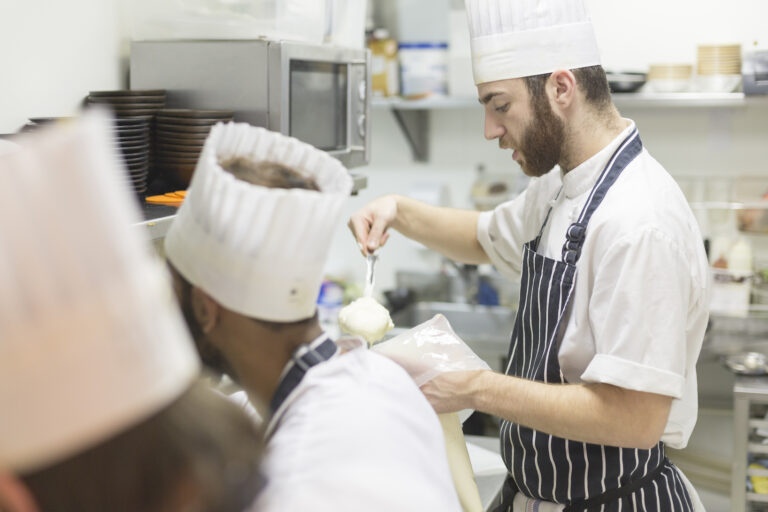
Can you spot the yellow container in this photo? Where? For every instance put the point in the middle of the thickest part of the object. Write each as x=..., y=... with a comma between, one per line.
x=759, y=483
x=384, y=67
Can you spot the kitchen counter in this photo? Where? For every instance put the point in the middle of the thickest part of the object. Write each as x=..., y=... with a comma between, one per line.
x=157, y=219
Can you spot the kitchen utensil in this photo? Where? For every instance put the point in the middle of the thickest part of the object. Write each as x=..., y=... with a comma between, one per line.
x=369, y=275
x=625, y=81
x=748, y=363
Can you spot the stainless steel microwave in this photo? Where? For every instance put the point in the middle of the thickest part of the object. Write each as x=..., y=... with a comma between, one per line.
x=316, y=93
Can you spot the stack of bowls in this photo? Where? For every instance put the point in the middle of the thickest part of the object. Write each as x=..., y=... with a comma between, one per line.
x=718, y=68
x=669, y=78
x=132, y=139
x=134, y=112
x=179, y=138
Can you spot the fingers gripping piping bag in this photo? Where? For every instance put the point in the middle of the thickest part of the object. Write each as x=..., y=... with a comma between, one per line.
x=426, y=351
x=365, y=317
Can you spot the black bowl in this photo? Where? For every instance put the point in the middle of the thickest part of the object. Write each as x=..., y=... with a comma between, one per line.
x=625, y=81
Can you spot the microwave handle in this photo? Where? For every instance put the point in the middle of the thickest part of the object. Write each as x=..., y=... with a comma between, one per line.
x=358, y=106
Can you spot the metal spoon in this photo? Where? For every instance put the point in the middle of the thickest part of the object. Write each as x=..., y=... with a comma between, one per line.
x=370, y=261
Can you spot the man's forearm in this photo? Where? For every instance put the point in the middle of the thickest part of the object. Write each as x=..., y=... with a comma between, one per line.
x=449, y=231
x=593, y=413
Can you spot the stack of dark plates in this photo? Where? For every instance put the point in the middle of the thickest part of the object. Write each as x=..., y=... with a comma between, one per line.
x=134, y=111
x=179, y=138
x=132, y=139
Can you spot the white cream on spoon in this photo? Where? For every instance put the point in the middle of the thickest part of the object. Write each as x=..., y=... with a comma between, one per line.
x=365, y=317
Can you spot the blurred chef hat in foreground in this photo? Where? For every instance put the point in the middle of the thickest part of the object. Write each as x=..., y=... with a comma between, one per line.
x=520, y=38
x=258, y=251
x=91, y=342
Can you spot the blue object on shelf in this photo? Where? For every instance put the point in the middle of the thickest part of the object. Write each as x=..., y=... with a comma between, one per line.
x=487, y=294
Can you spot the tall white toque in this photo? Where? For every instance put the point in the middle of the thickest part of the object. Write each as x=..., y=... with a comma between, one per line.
x=256, y=250
x=91, y=340
x=520, y=38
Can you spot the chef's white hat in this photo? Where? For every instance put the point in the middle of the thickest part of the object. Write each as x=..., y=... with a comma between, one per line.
x=258, y=251
x=91, y=342
x=519, y=38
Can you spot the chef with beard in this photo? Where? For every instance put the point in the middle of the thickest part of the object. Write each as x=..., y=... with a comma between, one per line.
x=601, y=374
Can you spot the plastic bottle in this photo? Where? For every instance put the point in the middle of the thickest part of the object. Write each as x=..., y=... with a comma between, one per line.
x=423, y=69
x=329, y=304
x=479, y=192
x=740, y=257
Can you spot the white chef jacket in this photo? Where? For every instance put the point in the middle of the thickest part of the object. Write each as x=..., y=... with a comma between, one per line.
x=640, y=304
x=357, y=434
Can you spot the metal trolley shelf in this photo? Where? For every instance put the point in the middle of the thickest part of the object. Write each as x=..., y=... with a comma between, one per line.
x=749, y=394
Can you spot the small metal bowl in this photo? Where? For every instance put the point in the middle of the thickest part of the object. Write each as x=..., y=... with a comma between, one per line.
x=748, y=363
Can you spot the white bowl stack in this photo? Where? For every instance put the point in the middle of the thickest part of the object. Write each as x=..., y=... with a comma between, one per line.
x=666, y=78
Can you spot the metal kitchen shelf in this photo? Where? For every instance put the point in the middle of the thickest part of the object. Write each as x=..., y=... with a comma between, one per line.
x=413, y=115
x=158, y=218
x=676, y=99
x=747, y=391
x=758, y=498
x=757, y=448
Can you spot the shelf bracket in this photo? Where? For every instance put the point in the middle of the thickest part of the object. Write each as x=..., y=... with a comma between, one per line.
x=414, y=123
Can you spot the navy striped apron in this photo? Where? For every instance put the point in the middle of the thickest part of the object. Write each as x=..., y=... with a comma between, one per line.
x=581, y=476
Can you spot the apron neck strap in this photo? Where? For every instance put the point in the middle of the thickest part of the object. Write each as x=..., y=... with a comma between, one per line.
x=621, y=158
x=302, y=359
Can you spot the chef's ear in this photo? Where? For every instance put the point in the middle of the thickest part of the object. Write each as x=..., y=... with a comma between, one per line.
x=205, y=309
x=561, y=88
x=14, y=496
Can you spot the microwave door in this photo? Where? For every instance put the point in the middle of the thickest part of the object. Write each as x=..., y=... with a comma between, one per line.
x=319, y=104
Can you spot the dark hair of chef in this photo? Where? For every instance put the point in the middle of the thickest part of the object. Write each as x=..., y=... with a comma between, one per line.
x=199, y=453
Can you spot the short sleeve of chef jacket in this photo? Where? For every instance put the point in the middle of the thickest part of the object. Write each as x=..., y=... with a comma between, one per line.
x=638, y=312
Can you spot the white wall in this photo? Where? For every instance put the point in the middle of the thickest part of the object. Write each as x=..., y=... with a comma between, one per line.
x=52, y=53
x=632, y=35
